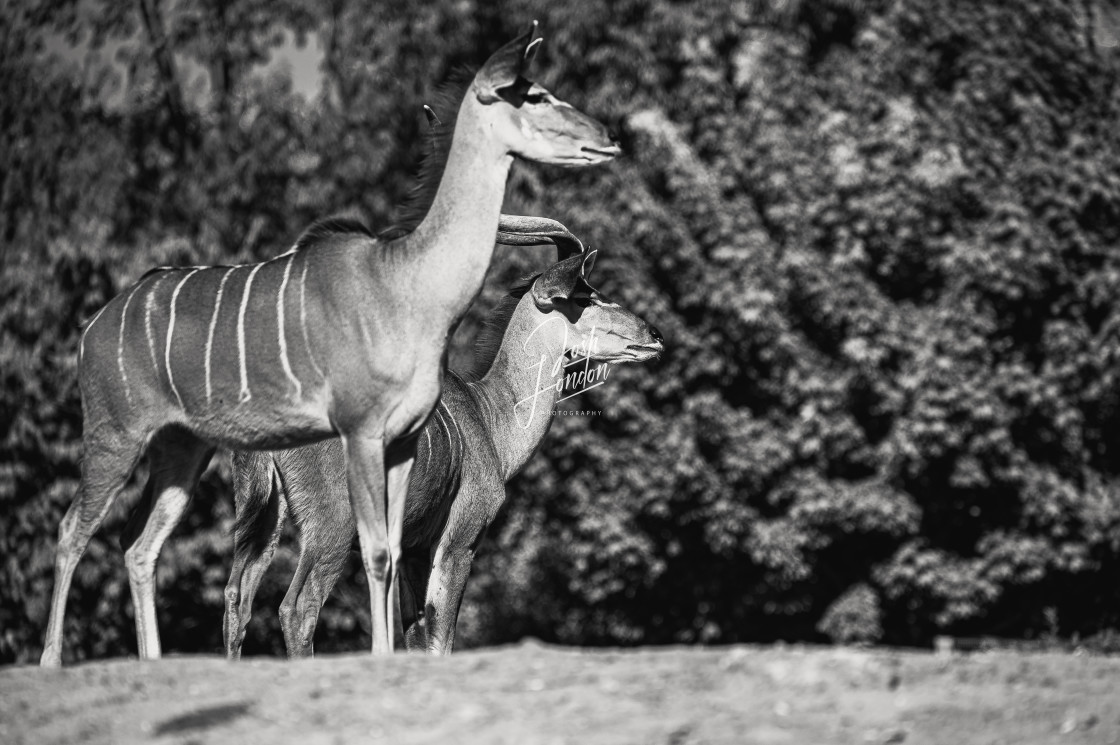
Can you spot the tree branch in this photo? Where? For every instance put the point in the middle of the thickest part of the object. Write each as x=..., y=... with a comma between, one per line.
x=165, y=64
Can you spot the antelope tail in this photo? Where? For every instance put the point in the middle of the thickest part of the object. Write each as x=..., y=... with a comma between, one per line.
x=256, y=493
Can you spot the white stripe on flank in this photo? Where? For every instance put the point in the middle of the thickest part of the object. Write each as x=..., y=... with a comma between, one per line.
x=82, y=340
x=120, y=344
x=429, y=463
x=458, y=432
x=148, y=321
x=280, y=322
x=303, y=317
x=450, y=444
x=213, y=325
x=246, y=394
x=482, y=400
x=170, y=331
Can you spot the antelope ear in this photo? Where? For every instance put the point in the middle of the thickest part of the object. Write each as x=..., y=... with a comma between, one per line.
x=505, y=66
x=558, y=282
x=589, y=257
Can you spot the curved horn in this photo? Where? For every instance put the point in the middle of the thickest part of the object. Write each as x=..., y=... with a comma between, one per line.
x=525, y=230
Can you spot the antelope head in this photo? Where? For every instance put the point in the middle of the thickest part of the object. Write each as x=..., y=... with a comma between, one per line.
x=530, y=121
x=593, y=324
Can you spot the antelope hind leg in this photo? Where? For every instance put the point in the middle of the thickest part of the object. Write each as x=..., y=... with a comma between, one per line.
x=177, y=460
x=314, y=579
x=107, y=464
x=254, y=484
x=248, y=572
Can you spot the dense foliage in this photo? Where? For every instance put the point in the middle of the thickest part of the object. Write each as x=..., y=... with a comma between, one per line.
x=882, y=238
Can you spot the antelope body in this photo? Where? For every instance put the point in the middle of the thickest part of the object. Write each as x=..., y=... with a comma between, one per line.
x=344, y=336
x=482, y=434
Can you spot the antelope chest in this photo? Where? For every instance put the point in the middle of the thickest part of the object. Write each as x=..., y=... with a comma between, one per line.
x=416, y=402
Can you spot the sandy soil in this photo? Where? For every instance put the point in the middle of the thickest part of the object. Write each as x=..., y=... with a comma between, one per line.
x=532, y=693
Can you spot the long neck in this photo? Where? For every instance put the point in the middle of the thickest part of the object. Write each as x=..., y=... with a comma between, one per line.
x=447, y=255
x=520, y=388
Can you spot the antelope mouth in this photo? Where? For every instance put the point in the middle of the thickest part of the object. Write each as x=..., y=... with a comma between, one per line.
x=585, y=157
x=640, y=352
x=603, y=153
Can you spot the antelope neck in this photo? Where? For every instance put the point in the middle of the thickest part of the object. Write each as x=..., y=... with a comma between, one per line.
x=520, y=386
x=447, y=255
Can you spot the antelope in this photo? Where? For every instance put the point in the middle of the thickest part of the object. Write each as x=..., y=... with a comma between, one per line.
x=513, y=230
x=483, y=432
x=343, y=336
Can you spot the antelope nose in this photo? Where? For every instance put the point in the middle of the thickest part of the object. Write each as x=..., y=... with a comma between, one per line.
x=656, y=334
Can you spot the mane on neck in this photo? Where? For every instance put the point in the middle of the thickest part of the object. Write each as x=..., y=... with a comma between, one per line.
x=489, y=339
x=329, y=226
x=433, y=162
x=446, y=102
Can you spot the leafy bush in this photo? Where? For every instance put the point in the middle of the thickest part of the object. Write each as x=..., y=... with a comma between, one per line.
x=855, y=617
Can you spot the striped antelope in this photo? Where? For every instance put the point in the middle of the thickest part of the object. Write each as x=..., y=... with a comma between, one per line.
x=483, y=432
x=345, y=335
x=513, y=230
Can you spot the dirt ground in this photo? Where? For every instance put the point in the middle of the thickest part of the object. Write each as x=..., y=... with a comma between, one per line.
x=532, y=693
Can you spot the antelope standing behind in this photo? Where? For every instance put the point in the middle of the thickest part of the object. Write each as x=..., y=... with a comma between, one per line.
x=483, y=432
x=346, y=335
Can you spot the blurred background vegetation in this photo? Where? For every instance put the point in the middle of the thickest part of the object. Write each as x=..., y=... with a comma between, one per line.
x=882, y=238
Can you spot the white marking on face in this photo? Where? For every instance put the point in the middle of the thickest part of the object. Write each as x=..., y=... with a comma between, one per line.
x=214, y=325
x=303, y=316
x=170, y=331
x=246, y=394
x=284, y=363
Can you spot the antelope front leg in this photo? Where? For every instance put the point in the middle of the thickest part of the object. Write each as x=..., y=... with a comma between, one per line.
x=365, y=475
x=450, y=570
x=402, y=456
x=451, y=562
